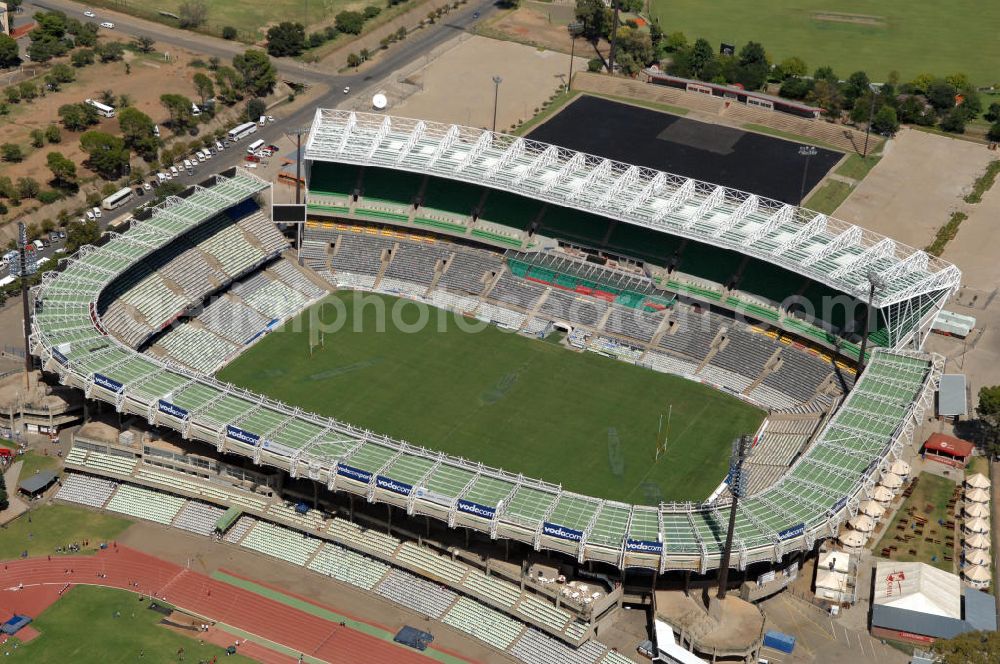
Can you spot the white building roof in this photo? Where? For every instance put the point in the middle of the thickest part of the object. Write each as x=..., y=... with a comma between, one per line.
x=918, y=587
x=822, y=248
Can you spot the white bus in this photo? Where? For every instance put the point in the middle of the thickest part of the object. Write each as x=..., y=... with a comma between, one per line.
x=117, y=199
x=253, y=147
x=103, y=109
x=245, y=129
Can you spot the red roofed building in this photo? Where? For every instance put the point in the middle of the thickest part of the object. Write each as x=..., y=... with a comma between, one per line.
x=948, y=450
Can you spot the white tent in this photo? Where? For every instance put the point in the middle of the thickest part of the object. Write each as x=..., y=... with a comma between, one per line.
x=834, y=560
x=977, y=481
x=882, y=494
x=853, y=539
x=976, y=557
x=977, y=541
x=977, y=573
x=862, y=522
x=836, y=581
x=872, y=509
x=891, y=480
x=977, y=525
x=900, y=467
x=918, y=587
x=977, y=496
x=976, y=510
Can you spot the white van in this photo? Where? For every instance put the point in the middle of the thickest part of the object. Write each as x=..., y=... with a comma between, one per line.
x=195, y=111
x=162, y=177
x=39, y=245
x=156, y=130
x=200, y=155
x=187, y=165
x=174, y=172
x=219, y=146
x=262, y=121
x=97, y=212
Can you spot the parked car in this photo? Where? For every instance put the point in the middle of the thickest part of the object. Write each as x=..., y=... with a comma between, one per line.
x=174, y=172
x=147, y=186
x=139, y=191
x=97, y=211
x=219, y=146
x=90, y=216
x=108, y=25
x=89, y=14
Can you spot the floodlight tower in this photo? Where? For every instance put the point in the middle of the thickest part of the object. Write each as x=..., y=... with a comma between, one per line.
x=875, y=282
x=24, y=266
x=738, y=478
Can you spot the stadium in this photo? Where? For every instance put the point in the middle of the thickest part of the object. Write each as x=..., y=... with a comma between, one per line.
x=762, y=301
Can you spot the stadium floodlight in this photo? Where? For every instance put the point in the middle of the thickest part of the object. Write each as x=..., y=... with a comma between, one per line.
x=875, y=282
x=808, y=152
x=738, y=480
x=496, y=98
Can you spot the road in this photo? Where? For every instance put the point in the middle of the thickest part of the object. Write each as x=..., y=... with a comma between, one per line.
x=416, y=45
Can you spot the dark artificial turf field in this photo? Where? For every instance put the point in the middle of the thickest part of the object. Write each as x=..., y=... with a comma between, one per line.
x=584, y=421
x=759, y=164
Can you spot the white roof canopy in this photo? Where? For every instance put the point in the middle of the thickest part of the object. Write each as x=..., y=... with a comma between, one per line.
x=824, y=249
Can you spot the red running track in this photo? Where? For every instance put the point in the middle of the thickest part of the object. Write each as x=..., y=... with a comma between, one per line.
x=127, y=569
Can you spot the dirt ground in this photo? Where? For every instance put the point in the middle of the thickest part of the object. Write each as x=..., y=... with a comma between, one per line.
x=919, y=182
x=457, y=87
x=149, y=77
x=541, y=24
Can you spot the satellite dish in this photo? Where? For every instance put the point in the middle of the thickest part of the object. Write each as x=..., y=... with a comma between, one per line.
x=379, y=101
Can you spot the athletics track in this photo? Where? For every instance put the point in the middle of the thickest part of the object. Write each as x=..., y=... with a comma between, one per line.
x=42, y=582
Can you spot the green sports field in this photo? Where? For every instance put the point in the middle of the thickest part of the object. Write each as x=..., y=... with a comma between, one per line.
x=878, y=36
x=91, y=625
x=584, y=421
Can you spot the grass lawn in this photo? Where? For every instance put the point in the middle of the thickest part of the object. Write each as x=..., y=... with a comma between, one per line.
x=58, y=525
x=82, y=628
x=829, y=197
x=978, y=464
x=585, y=421
x=878, y=36
x=251, y=19
x=857, y=167
x=931, y=490
x=34, y=462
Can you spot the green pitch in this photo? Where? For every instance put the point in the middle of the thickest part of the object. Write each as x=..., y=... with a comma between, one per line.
x=92, y=625
x=878, y=36
x=577, y=419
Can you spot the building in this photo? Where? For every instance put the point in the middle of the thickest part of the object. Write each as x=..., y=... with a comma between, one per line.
x=917, y=603
x=948, y=450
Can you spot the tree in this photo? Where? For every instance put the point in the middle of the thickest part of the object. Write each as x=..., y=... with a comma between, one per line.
x=179, y=108
x=796, y=88
x=82, y=57
x=63, y=170
x=203, y=85
x=107, y=154
x=138, y=131
x=857, y=85
x=969, y=648
x=229, y=32
x=349, y=22
x=13, y=94
x=353, y=60
x=954, y=121
x=994, y=133
x=193, y=13
x=596, y=19
x=827, y=74
x=52, y=134
x=255, y=108
x=144, y=43
x=941, y=95
x=63, y=73
x=701, y=57
x=4, y=503
x=676, y=41
x=110, y=51
x=793, y=66
x=638, y=46
x=258, y=74
x=11, y=152
x=286, y=39
x=28, y=90
x=989, y=418
x=993, y=112
x=826, y=95
x=80, y=233
x=28, y=187
x=371, y=11
x=885, y=121
x=37, y=138
x=87, y=36
x=77, y=117
x=595, y=64
x=9, y=51
x=753, y=66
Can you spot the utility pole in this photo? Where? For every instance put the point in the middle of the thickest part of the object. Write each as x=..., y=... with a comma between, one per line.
x=574, y=31
x=614, y=37
x=738, y=480
x=871, y=118
x=806, y=151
